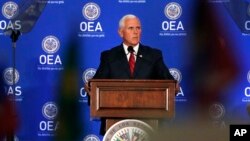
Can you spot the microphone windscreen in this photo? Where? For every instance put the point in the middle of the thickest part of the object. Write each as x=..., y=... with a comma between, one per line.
x=130, y=49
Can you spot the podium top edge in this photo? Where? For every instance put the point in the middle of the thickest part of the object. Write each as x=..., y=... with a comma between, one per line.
x=133, y=80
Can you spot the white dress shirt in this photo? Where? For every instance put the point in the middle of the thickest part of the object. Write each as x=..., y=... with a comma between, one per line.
x=136, y=48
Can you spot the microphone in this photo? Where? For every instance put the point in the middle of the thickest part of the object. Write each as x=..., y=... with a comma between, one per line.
x=14, y=35
x=131, y=49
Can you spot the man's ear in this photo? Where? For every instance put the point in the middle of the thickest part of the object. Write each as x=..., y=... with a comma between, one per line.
x=120, y=32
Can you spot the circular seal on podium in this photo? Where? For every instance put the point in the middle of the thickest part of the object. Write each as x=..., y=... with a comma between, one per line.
x=129, y=129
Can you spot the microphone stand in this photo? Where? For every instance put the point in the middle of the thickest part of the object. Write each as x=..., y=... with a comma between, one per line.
x=30, y=11
x=14, y=37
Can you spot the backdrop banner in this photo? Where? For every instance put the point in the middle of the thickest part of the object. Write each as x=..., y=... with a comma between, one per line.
x=205, y=44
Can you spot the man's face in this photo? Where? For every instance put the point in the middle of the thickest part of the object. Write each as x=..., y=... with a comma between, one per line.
x=131, y=31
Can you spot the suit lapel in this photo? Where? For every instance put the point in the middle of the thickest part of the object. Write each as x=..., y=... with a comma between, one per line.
x=124, y=61
x=139, y=60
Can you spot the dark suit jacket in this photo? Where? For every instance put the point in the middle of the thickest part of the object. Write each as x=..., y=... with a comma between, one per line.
x=149, y=64
x=114, y=65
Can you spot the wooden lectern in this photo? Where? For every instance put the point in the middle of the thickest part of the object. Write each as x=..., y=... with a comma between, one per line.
x=118, y=99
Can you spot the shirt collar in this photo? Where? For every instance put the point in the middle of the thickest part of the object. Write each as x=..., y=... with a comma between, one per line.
x=136, y=48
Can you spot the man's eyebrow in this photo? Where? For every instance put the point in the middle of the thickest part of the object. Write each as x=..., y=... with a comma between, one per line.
x=134, y=26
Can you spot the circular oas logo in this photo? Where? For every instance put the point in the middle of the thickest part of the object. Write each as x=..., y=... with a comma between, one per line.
x=216, y=111
x=91, y=137
x=91, y=11
x=50, y=44
x=129, y=130
x=176, y=74
x=173, y=11
x=88, y=74
x=50, y=110
x=248, y=76
x=10, y=10
x=8, y=76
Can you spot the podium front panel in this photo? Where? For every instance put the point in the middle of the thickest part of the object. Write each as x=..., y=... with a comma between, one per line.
x=132, y=98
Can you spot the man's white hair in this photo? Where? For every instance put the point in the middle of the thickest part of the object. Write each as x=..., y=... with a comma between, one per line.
x=128, y=16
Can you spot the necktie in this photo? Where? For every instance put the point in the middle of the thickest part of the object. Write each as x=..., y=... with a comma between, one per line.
x=131, y=61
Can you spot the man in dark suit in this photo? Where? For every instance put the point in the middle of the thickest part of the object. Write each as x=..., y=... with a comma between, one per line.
x=148, y=62
x=131, y=59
